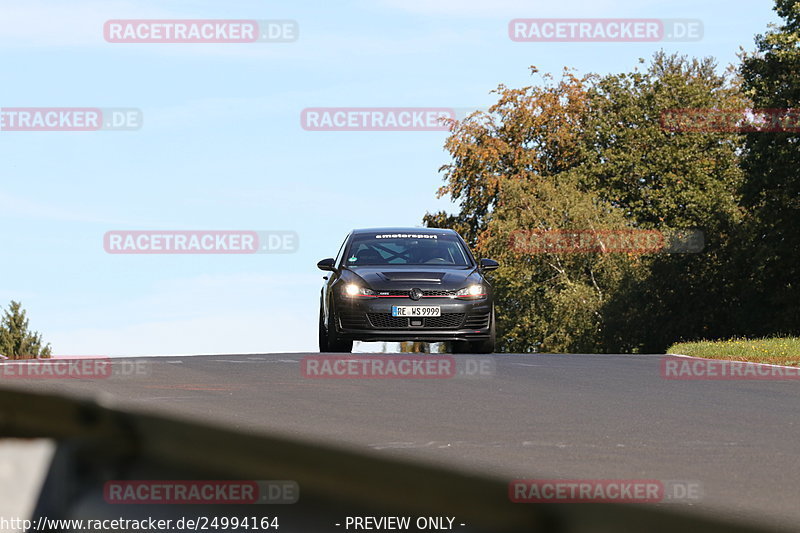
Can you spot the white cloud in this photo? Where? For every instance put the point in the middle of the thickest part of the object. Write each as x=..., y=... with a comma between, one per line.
x=522, y=8
x=57, y=23
x=51, y=23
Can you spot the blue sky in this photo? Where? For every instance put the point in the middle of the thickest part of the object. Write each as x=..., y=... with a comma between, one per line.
x=222, y=148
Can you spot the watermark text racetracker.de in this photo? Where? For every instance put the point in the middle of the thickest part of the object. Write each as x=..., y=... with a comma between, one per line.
x=395, y=367
x=697, y=369
x=173, y=492
x=377, y=118
x=604, y=491
x=699, y=120
x=200, y=31
x=144, y=523
x=73, y=367
x=595, y=30
x=635, y=241
x=70, y=119
x=200, y=242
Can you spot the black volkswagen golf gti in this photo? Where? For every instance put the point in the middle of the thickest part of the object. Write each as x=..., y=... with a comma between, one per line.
x=406, y=284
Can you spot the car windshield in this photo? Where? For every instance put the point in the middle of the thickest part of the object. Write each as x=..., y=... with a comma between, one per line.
x=406, y=249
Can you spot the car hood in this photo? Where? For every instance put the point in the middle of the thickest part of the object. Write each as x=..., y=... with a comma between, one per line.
x=387, y=277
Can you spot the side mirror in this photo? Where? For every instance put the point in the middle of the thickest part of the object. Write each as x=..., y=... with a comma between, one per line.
x=326, y=264
x=488, y=265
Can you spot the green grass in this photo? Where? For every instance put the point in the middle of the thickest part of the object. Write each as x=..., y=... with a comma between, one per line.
x=783, y=351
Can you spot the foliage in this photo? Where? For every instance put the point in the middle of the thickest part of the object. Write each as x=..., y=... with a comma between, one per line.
x=771, y=192
x=590, y=153
x=16, y=342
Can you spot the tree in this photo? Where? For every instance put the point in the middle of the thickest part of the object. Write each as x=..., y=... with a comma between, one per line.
x=667, y=180
x=16, y=342
x=551, y=302
x=590, y=153
x=529, y=131
x=771, y=78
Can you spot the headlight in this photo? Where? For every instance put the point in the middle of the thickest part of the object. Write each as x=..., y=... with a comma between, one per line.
x=354, y=291
x=473, y=291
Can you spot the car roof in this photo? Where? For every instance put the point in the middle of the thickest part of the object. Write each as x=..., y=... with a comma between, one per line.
x=426, y=231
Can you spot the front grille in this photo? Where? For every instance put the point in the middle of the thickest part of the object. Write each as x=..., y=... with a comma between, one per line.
x=447, y=320
x=387, y=321
x=441, y=294
x=393, y=293
x=438, y=293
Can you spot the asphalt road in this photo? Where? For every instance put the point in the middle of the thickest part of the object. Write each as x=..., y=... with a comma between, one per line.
x=527, y=416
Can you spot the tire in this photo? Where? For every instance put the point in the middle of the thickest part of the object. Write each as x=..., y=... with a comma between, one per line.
x=323, y=334
x=332, y=343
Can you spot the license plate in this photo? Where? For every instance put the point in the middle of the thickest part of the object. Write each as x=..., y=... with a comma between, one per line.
x=416, y=310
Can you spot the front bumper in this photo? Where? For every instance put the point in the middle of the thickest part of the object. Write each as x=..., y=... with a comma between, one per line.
x=370, y=319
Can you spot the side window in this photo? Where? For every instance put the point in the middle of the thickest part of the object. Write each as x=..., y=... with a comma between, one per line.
x=338, y=261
